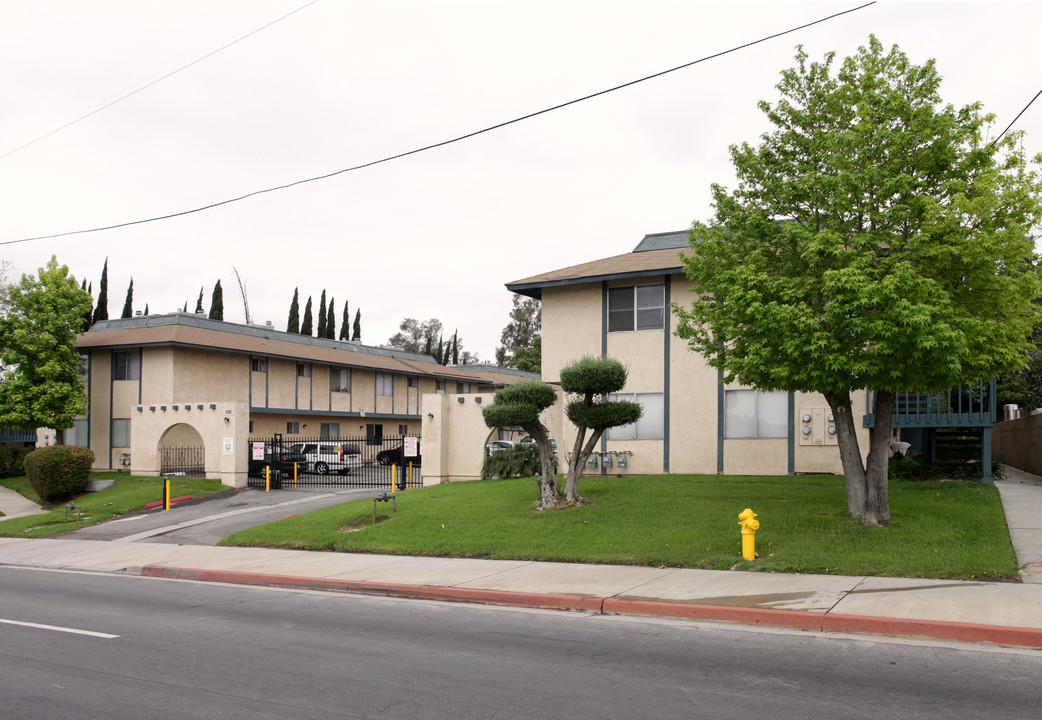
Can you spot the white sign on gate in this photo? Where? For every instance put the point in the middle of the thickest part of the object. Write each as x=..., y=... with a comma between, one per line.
x=412, y=446
x=258, y=450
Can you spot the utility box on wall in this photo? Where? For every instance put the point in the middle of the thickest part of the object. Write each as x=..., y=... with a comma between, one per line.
x=816, y=426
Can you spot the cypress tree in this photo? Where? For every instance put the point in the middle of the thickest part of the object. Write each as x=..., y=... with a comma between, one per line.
x=306, y=325
x=88, y=317
x=331, y=320
x=101, y=310
x=146, y=309
x=293, y=323
x=322, y=315
x=217, y=303
x=199, y=303
x=345, y=324
x=357, y=334
x=128, y=304
x=455, y=348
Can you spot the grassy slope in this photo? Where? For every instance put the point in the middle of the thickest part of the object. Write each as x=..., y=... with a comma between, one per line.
x=949, y=530
x=129, y=494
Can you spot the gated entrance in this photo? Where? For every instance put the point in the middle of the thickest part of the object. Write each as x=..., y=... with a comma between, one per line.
x=350, y=462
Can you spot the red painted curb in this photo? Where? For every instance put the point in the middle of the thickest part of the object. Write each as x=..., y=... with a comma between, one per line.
x=149, y=506
x=422, y=592
x=803, y=620
x=692, y=611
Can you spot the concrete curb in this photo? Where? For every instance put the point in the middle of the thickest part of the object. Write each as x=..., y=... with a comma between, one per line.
x=802, y=620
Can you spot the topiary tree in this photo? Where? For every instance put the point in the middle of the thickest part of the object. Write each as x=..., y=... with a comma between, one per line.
x=520, y=405
x=58, y=472
x=589, y=378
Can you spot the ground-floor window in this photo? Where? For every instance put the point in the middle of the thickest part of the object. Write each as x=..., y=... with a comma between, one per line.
x=121, y=432
x=652, y=423
x=374, y=434
x=756, y=414
x=329, y=430
x=77, y=434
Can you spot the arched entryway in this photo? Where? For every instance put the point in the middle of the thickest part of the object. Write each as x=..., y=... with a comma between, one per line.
x=182, y=452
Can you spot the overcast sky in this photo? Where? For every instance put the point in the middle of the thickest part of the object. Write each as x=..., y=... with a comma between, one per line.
x=339, y=84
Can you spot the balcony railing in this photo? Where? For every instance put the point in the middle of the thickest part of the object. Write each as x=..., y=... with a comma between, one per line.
x=970, y=405
x=17, y=436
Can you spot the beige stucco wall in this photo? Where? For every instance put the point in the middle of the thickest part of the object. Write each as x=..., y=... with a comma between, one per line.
x=222, y=430
x=571, y=319
x=454, y=436
x=202, y=374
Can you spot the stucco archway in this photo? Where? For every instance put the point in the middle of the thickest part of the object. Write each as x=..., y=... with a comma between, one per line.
x=181, y=450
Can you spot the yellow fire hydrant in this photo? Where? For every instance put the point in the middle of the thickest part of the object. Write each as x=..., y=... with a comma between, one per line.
x=747, y=519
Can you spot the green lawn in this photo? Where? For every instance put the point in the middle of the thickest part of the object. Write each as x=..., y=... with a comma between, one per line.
x=938, y=529
x=128, y=495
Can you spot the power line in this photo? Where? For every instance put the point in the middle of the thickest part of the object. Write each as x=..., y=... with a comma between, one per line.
x=158, y=80
x=1016, y=118
x=442, y=143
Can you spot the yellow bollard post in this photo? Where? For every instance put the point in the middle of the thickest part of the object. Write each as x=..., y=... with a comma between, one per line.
x=294, y=476
x=747, y=519
x=393, y=477
x=166, y=495
x=410, y=476
x=267, y=478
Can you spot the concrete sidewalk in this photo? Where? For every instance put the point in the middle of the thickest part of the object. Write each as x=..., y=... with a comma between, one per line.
x=1003, y=613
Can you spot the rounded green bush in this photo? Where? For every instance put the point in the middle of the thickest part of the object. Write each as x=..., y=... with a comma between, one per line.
x=58, y=472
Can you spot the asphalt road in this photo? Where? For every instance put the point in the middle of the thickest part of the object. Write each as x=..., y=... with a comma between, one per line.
x=76, y=645
x=210, y=519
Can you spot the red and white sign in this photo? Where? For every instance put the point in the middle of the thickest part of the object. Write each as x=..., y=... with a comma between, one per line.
x=412, y=447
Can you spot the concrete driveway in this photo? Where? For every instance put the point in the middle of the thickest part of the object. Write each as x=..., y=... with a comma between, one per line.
x=210, y=519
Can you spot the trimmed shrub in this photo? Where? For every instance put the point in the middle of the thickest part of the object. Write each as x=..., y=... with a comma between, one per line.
x=58, y=472
x=11, y=458
x=522, y=460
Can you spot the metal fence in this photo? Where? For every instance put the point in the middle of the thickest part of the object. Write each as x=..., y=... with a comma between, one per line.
x=348, y=462
x=183, y=461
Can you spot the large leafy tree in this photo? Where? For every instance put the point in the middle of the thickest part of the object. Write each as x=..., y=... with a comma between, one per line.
x=520, y=405
x=875, y=240
x=41, y=384
x=520, y=336
x=590, y=381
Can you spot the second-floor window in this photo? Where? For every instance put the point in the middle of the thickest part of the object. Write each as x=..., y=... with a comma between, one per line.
x=339, y=380
x=639, y=307
x=126, y=365
x=259, y=364
x=384, y=384
x=304, y=370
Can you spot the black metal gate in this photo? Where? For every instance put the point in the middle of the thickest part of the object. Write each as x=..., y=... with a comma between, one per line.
x=183, y=461
x=344, y=462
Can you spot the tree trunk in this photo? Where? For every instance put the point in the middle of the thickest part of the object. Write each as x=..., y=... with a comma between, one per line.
x=580, y=454
x=877, y=503
x=548, y=494
x=849, y=453
x=867, y=497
